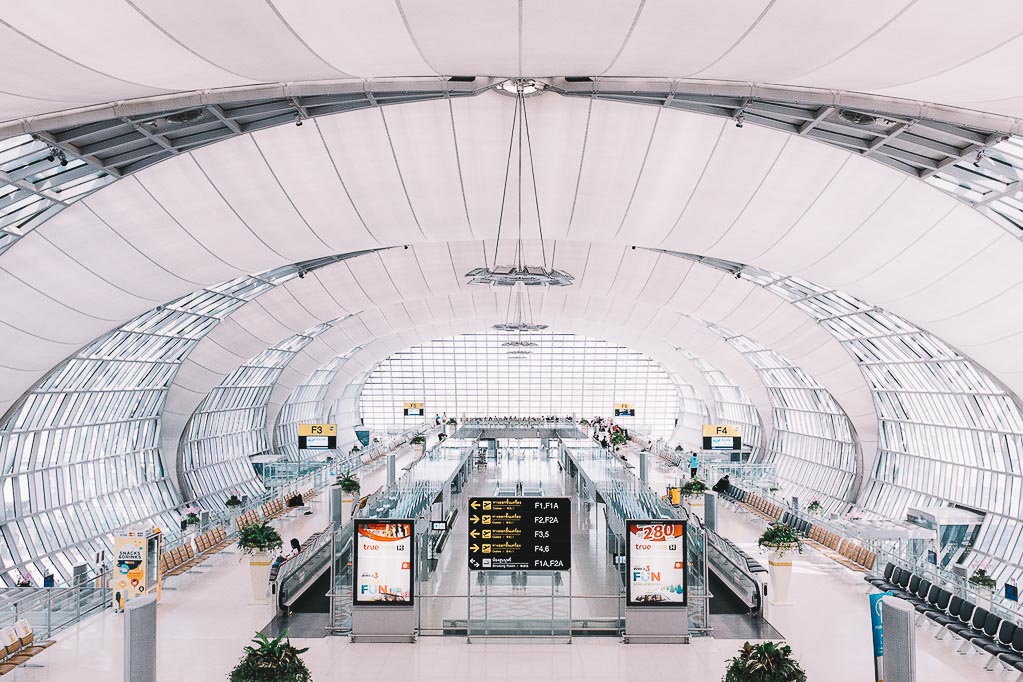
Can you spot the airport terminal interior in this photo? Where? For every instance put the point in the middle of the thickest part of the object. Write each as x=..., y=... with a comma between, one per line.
x=460, y=340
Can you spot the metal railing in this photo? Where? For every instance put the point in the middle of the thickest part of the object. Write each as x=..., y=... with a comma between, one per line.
x=300, y=572
x=898, y=552
x=52, y=609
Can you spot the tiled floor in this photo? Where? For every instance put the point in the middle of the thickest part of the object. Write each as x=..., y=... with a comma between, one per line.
x=203, y=627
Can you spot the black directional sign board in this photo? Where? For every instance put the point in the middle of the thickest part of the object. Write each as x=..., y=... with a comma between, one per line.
x=520, y=533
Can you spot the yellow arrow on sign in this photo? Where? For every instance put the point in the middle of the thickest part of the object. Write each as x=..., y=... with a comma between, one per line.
x=474, y=532
x=474, y=518
x=474, y=547
x=474, y=504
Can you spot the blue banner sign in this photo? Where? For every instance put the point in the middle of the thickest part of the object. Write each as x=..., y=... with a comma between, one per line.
x=878, y=629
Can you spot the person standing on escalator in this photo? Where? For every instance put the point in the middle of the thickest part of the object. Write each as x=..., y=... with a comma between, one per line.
x=694, y=464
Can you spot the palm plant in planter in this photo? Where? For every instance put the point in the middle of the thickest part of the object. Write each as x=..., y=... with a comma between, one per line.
x=271, y=661
x=418, y=439
x=693, y=487
x=781, y=540
x=766, y=662
x=679, y=448
x=257, y=540
x=348, y=483
x=191, y=515
x=618, y=438
x=814, y=507
x=233, y=501
x=981, y=579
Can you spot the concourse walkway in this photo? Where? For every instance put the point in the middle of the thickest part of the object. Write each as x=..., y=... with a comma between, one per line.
x=204, y=625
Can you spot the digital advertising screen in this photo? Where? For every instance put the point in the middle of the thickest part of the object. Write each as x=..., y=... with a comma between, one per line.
x=656, y=563
x=722, y=443
x=383, y=568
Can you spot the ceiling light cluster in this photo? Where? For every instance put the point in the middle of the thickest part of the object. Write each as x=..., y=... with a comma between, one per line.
x=519, y=318
x=519, y=272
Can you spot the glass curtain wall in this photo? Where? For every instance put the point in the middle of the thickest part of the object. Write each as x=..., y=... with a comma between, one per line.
x=81, y=452
x=731, y=404
x=948, y=431
x=305, y=406
x=812, y=444
x=563, y=374
x=229, y=426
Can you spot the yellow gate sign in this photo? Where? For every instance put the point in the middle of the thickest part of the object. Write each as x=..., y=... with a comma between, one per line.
x=710, y=430
x=317, y=429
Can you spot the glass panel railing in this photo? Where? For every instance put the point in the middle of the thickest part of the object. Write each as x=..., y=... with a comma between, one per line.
x=298, y=573
x=52, y=609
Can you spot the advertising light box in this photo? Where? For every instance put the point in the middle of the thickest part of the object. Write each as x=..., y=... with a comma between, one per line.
x=656, y=563
x=383, y=569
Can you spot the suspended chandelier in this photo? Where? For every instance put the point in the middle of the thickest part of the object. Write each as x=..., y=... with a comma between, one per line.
x=519, y=272
x=519, y=318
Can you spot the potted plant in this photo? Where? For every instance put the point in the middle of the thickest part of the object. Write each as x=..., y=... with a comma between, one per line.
x=780, y=540
x=692, y=491
x=191, y=519
x=764, y=662
x=984, y=585
x=418, y=439
x=815, y=507
x=24, y=579
x=349, y=486
x=618, y=438
x=355, y=448
x=233, y=501
x=257, y=540
x=271, y=661
x=679, y=448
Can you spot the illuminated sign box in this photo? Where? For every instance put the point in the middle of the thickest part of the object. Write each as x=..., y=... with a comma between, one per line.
x=721, y=437
x=625, y=410
x=415, y=409
x=655, y=560
x=317, y=436
x=383, y=572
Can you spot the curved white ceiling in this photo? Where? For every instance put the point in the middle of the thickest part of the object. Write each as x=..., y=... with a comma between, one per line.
x=647, y=301
x=73, y=54
x=608, y=173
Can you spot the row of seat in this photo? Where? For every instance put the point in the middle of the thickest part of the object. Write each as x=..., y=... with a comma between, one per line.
x=848, y=553
x=273, y=508
x=177, y=560
x=19, y=646
x=762, y=507
x=1001, y=639
x=247, y=519
x=212, y=541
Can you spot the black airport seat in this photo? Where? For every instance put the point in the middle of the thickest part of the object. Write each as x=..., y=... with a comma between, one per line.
x=1002, y=643
x=937, y=601
x=955, y=605
x=988, y=633
x=883, y=583
x=1015, y=658
x=973, y=628
x=930, y=598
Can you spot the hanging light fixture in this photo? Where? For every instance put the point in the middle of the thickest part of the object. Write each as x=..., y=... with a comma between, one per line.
x=519, y=272
x=519, y=318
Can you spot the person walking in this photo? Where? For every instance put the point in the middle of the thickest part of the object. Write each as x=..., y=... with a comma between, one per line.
x=694, y=464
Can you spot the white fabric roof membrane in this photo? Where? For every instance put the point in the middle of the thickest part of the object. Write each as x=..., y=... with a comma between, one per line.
x=607, y=174
x=71, y=54
x=646, y=301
